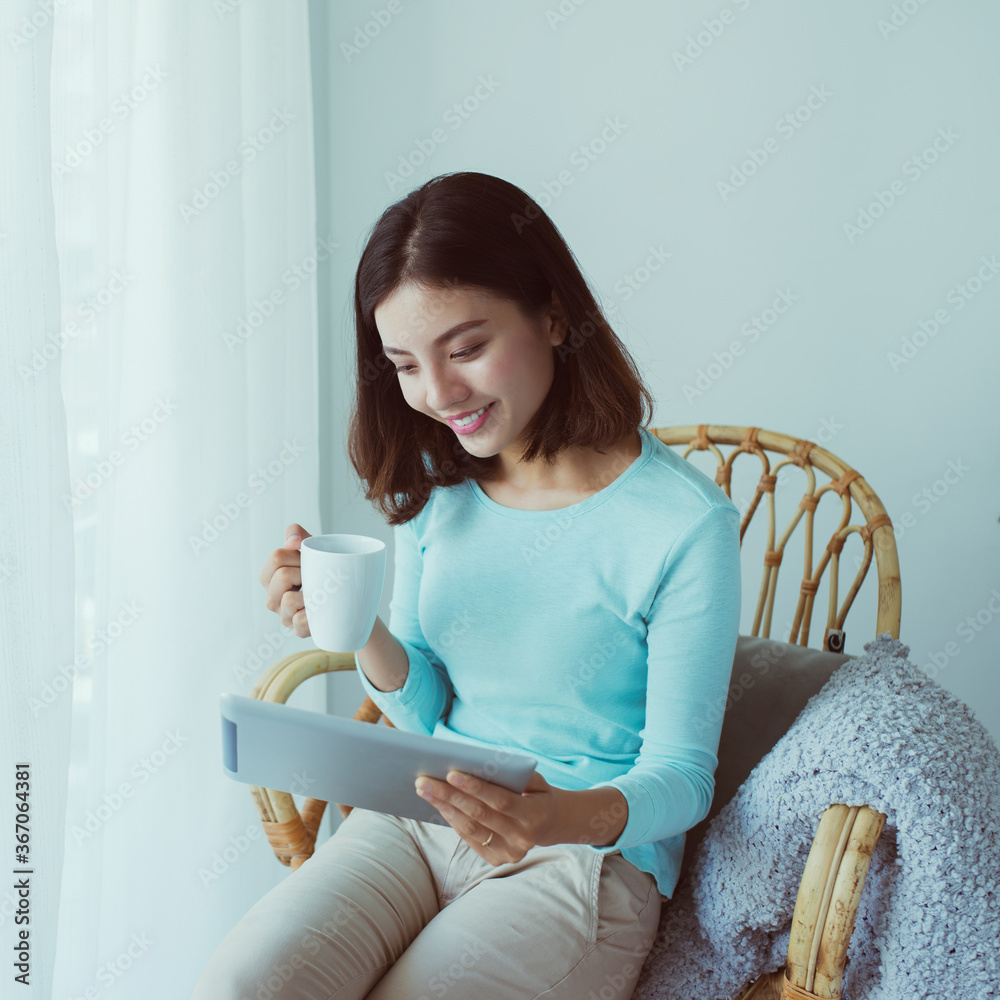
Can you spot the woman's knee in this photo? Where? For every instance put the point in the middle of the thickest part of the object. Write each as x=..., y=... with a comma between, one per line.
x=338, y=919
x=257, y=959
x=270, y=956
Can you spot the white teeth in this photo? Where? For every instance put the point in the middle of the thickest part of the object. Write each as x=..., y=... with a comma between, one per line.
x=471, y=418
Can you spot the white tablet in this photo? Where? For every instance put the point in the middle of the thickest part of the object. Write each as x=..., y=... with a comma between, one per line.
x=354, y=763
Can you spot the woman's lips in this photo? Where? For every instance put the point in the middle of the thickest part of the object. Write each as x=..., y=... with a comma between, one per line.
x=475, y=425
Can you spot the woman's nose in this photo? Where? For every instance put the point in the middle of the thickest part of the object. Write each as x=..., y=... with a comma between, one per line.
x=445, y=391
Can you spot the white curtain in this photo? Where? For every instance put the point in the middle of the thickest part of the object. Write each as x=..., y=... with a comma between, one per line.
x=36, y=530
x=183, y=346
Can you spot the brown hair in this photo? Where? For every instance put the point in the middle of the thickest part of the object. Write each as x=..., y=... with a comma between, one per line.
x=474, y=230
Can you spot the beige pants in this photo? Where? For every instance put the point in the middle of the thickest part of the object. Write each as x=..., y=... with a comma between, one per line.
x=394, y=909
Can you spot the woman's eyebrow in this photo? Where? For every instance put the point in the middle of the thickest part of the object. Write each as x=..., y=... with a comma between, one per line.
x=448, y=335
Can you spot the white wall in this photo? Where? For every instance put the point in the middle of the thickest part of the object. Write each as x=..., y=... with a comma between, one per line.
x=921, y=429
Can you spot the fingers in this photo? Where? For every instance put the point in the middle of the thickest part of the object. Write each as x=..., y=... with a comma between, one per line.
x=287, y=556
x=286, y=579
x=300, y=625
x=475, y=812
x=464, y=787
x=294, y=534
x=475, y=832
x=282, y=578
x=277, y=559
x=293, y=614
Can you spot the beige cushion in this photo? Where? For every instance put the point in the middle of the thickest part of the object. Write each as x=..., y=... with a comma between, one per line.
x=770, y=684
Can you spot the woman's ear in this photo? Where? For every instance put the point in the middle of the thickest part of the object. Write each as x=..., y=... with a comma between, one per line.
x=558, y=325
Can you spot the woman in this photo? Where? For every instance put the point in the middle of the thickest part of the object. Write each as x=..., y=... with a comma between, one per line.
x=565, y=584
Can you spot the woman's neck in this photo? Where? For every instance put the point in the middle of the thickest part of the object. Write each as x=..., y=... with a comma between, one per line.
x=577, y=471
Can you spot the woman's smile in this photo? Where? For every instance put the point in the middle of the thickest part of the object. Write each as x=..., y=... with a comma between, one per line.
x=471, y=424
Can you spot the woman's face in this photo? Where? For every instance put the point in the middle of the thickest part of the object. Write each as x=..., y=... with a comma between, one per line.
x=495, y=357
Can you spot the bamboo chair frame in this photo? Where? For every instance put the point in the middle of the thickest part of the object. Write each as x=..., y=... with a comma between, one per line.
x=837, y=865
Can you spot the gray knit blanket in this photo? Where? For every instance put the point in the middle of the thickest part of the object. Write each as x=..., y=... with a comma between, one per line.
x=879, y=733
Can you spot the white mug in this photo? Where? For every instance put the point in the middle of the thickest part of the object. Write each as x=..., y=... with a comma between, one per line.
x=342, y=577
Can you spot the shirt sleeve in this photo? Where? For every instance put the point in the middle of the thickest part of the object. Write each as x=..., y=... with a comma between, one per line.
x=427, y=694
x=692, y=628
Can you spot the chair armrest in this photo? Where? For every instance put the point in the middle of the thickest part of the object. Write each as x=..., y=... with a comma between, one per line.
x=292, y=836
x=825, y=908
x=828, y=899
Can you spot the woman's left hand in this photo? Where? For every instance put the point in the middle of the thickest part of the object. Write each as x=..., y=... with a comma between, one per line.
x=477, y=809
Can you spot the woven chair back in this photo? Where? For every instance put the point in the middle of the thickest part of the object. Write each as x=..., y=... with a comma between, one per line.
x=773, y=452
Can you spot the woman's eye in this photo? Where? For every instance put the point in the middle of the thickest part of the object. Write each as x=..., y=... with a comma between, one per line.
x=470, y=352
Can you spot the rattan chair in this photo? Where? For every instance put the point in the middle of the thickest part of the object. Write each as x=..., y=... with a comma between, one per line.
x=838, y=861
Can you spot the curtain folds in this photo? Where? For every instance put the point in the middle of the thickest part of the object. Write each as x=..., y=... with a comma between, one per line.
x=36, y=529
x=181, y=175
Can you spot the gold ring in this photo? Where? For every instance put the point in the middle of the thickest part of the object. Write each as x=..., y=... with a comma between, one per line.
x=486, y=842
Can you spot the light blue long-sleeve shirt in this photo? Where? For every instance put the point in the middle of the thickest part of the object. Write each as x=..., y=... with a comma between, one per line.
x=599, y=638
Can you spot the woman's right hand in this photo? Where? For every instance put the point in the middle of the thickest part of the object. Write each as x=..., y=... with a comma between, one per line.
x=282, y=577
